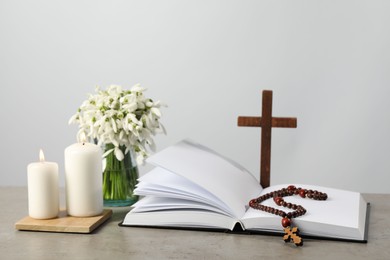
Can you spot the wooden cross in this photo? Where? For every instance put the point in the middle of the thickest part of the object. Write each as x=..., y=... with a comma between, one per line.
x=292, y=235
x=266, y=122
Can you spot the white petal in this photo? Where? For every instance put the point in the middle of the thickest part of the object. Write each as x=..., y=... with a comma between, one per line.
x=108, y=152
x=163, y=129
x=156, y=111
x=119, y=154
x=101, y=142
x=114, y=125
x=121, y=134
x=137, y=88
x=80, y=133
x=140, y=159
x=73, y=119
x=104, y=164
x=114, y=142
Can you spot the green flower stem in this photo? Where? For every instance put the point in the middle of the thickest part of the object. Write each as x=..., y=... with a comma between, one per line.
x=119, y=177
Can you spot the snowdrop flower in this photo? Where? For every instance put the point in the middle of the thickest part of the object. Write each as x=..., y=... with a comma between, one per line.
x=124, y=118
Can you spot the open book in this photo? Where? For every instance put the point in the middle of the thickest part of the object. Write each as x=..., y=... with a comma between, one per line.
x=194, y=187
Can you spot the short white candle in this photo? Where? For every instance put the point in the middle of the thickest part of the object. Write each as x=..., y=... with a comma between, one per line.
x=83, y=180
x=43, y=192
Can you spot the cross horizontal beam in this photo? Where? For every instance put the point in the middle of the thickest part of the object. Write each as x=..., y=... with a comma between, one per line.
x=287, y=122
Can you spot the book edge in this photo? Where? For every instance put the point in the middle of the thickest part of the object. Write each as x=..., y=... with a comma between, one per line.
x=238, y=229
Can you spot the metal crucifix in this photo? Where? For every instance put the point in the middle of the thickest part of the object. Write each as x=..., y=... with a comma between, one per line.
x=266, y=122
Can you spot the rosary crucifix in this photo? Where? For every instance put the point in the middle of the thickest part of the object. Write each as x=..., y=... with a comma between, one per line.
x=266, y=122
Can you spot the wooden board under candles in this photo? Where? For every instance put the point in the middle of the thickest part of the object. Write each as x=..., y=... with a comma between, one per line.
x=64, y=223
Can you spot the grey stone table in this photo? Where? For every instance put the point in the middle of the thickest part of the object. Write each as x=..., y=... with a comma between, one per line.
x=113, y=242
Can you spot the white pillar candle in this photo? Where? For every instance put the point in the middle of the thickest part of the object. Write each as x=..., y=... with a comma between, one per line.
x=43, y=191
x=83, y=180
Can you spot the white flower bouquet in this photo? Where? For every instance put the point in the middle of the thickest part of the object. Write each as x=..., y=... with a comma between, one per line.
x=124, y=121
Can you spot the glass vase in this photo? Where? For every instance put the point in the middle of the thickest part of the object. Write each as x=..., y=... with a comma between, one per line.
x=119, y=178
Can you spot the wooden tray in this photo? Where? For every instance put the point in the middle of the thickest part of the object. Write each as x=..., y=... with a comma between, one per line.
x=64, y=223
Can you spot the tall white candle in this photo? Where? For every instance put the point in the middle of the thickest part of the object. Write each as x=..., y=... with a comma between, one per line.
x=43, y=192
x=83, y=180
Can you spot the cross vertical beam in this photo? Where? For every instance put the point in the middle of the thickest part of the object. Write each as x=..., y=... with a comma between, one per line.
x=265, y=157
x=266, y=122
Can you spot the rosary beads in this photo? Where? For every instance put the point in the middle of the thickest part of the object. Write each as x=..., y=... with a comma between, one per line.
x=291, y=234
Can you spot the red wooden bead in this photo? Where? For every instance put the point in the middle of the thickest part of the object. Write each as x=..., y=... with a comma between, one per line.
x=252, y=203
x=291, y=188
x=278, y=200
x=286, y=222
x=302, y=193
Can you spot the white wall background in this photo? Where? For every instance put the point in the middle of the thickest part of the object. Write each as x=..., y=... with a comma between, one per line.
x=326, y=61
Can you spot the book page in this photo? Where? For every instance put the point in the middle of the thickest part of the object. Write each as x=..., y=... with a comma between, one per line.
x=227, y=180
x=149, y=204
x=165, y=184
x=342, y=215
x=181, y=219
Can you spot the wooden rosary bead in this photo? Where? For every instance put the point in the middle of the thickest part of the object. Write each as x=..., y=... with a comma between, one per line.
x=286, y=222
x=278, y=200
x=291, y=187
